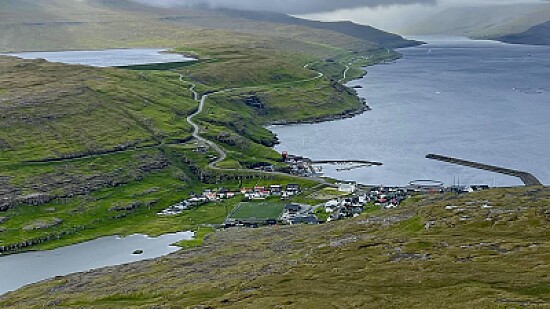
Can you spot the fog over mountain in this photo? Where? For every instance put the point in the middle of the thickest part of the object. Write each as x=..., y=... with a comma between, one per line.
x=447, y=17
x=284, y=6
x=316, y=6
x=391, y=15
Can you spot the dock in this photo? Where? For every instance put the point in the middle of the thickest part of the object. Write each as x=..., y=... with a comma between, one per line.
x=342, y=162
x=527, y=178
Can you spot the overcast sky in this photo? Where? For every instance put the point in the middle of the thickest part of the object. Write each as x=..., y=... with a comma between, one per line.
x=385, y=14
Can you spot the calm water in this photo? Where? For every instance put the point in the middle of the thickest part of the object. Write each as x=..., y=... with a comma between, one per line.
x=478, y=100
x=107, y=58
x=26, y=268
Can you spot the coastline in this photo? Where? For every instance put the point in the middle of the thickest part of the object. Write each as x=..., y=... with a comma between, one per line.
x=344, y=115
x=347, y=113
x=350, y=113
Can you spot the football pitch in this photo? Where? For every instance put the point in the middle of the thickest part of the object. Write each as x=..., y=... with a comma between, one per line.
x=262, y=210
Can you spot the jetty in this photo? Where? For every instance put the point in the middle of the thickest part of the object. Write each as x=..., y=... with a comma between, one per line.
x=527, y=178
x=342, y=162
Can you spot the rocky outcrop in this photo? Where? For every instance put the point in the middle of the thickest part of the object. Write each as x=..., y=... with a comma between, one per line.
x=43, y=224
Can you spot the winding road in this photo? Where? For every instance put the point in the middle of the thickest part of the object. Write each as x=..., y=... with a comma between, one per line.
x=344, y=74
x=222, y=155
x=196, y=130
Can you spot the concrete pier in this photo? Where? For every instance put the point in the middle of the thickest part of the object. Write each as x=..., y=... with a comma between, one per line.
x=347, y=162
x=527, y=178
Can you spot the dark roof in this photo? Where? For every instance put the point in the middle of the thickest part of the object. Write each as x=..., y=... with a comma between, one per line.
x=294, y=207
x=304, y=220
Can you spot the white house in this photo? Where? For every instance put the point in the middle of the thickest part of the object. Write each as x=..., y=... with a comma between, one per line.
x=347, y=187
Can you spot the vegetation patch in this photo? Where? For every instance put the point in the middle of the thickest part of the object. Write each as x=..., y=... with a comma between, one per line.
x=259, y=210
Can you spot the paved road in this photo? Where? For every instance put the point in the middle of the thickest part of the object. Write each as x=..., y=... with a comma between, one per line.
x=344, y=75
x=196, y=133
x=222, y=155
x=196, y=129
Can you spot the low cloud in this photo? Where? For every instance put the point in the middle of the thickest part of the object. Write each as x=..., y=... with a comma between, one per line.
x=283, y=6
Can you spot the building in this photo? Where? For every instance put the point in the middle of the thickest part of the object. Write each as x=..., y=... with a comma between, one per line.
x=292, y=189
x=303, y=220
x=276, y=190
x=347, y=187
x=292, y=208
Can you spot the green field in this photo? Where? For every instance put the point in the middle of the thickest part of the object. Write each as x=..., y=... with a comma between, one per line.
x=264, y=210
x=87, y=152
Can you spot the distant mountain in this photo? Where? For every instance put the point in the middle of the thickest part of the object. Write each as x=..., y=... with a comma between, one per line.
x=362, y=32
x=28, y=25
x=482, y=21
x=536, y=35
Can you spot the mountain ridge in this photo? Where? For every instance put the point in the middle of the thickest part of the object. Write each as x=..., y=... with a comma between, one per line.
x=536, y=35
x=482, y=21
x=33, y=25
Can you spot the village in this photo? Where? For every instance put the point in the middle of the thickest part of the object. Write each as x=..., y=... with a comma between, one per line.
x=274, y=205
x=257, y=193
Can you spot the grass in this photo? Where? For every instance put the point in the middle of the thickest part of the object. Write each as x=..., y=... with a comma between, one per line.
x=108, y=210
x=120, y=138
x=135, y=109
x=380, y=259
x=262, y=210
x=200, y=234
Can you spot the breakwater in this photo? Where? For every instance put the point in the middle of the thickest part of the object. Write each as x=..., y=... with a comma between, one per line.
x=527, y=178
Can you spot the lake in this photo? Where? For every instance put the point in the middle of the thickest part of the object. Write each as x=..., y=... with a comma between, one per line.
x=19, y=270
x=107, y=58
x=482, y=101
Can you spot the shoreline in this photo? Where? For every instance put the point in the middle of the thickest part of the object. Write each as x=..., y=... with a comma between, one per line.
x=344, y=115
x=335, y=117
x=151, y=247
x=347, y=113
x=364, y=107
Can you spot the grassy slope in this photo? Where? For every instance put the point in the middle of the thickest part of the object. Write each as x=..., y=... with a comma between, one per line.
x=51, y=110
x=57, y=111
x=471, y=256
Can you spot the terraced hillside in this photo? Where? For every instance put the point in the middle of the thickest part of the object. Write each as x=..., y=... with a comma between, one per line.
x=481, y=250
x=87, y=152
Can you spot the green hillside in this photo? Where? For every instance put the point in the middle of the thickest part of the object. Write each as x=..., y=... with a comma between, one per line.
x=87, y=152
x=481, y=250
x=53, y=110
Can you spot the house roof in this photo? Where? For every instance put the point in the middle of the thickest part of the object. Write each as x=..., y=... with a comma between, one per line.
x=308, y=220
x=295, y=207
